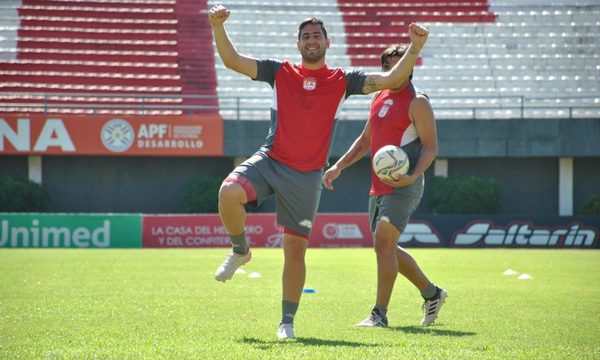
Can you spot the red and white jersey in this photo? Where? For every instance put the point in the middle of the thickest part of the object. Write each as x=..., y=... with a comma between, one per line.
x=391, y=125
x=305, y=105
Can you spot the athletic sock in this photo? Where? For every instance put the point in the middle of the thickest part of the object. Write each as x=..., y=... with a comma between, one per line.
x=288, y=311
x=381, y=311
x=429, y=292
x=239, y=244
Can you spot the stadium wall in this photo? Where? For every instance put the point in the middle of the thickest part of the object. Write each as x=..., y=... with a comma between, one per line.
x=523, y=155
x=329, y=231
x=124, y=184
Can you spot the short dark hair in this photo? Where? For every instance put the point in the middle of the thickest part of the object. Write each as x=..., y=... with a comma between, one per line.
x=312, y=20
x=393, y=50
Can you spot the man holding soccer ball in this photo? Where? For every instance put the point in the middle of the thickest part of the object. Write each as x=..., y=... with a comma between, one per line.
x=307, y=97
x=400, y=116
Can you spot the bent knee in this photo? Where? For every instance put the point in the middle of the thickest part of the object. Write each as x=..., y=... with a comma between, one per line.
x=384, y=245
x=231, y=193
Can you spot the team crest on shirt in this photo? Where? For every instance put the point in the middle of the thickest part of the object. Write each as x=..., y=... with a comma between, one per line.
x=310, y=83
x=386, y=106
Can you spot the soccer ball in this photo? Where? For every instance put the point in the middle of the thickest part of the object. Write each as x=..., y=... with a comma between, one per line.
x=389, y=162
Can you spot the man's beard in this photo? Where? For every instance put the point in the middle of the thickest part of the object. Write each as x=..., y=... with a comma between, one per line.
x=313, y=58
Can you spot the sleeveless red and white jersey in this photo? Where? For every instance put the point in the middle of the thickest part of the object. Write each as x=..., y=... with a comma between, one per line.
x=390, y=125
x=305, y=105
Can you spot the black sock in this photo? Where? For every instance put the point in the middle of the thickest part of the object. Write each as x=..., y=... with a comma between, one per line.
x=380, y=311
x=430, y=292
x=288, y=311
x=239, y=243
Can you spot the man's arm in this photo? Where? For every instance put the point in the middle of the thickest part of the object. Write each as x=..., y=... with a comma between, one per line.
x=424, y=120
x=354, y=153
x=422, y=116
x=401, y=71
x=227, y=51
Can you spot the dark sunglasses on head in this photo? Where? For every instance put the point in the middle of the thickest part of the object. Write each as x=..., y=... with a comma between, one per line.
x=385, y=64
x=394, y=53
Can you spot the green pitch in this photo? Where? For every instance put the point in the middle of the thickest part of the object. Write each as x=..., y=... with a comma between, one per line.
x=164, y=304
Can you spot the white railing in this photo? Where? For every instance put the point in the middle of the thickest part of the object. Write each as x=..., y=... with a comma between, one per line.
x=258, y=107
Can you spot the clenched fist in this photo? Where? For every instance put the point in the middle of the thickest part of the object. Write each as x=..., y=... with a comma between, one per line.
x=218, y=15
x=418, y=34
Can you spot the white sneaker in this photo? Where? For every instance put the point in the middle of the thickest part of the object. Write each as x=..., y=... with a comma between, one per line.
x=286, y=331
x=374, y=320
x=230, y=265
x=432, y=307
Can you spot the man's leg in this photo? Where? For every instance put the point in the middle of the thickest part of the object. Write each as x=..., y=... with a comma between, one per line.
x=297, y=194
x=385, y=238
x=434, y=296
x=408, y=267
x=232, y=197
x=293, y=277
x=294, y=267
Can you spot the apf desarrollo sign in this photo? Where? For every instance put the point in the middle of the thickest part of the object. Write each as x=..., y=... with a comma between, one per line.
x=70, y=231
x=106, y=135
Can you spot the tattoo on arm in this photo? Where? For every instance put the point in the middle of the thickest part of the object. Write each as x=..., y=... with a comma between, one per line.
x=351, y=157
x=370, y=85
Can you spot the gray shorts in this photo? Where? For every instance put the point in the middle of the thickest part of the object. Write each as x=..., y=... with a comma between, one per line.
x=297, y=193
x=397, y=207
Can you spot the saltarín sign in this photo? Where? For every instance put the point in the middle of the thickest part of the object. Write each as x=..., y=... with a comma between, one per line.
x=70, y=230
x=468, y=231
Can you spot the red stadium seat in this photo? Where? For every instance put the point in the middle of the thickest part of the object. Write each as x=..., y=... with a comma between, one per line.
x=382, y=21
x=112, y=47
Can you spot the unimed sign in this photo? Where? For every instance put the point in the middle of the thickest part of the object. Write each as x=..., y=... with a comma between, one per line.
x=70, y=231
x=110, y=135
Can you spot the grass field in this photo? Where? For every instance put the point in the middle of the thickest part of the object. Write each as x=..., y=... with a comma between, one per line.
x=165, y=304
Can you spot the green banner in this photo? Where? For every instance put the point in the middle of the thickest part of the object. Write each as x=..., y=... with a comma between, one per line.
x=70, y=230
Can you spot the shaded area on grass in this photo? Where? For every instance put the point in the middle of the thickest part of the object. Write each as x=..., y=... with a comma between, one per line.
x=431, y=331
x=267, y=345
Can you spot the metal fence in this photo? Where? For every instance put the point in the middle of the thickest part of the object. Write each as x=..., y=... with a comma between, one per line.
x=258, y=107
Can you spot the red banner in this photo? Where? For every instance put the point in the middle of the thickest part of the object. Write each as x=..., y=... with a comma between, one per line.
x=110, y=135
x=262, y=230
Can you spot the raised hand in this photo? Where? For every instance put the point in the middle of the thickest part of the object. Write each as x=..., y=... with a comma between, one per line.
x=418, y=34
x=218, y=14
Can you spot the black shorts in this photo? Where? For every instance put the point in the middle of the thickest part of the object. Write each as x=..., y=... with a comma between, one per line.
x=297, y=193
x=397, y=207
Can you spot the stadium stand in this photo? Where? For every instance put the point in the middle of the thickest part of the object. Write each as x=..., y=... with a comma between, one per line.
x=371, y=27
x=484, y=59
x=109, y=56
